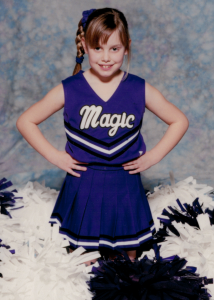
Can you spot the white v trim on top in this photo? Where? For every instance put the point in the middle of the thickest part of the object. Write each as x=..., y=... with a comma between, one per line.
x=100, y=148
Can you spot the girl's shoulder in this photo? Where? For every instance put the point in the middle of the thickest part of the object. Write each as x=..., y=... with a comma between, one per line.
x=135, y=77
x=73, y=78
x=134, y=83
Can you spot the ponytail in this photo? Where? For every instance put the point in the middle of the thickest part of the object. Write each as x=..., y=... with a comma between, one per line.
x=80, y=50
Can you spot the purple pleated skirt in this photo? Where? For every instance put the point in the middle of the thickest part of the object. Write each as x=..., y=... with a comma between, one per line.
x=106, y=207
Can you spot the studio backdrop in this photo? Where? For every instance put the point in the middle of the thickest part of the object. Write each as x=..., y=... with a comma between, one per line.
x=172, y=49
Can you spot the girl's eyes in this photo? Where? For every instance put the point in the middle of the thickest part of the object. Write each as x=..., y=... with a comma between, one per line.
x=114, y=49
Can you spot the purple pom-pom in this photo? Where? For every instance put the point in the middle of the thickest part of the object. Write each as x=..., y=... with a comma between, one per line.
x=7, y=199
x=166, y=278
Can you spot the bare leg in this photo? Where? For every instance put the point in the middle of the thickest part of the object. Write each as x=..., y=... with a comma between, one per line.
x=131, y=254
x=87, y=263
x=112, y=255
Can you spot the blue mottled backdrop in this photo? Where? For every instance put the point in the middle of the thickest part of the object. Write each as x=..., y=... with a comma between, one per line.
x=172, y=48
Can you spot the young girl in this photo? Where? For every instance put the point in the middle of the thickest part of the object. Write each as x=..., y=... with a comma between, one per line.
x=102, y=203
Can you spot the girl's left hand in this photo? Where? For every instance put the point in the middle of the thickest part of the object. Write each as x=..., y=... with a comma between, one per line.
x=140, y=164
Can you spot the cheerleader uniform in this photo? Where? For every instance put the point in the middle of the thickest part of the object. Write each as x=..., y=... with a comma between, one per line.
x=106, y=207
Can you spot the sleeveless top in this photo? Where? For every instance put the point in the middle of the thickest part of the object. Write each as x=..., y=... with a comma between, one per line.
x=104, y=132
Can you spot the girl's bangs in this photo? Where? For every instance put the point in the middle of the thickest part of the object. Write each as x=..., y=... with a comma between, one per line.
x=98, y=36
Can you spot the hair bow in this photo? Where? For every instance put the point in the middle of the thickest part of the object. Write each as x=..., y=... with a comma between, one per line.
x=85, y=15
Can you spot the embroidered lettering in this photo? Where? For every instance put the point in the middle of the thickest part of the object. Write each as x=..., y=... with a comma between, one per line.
x=115, y=124
x=130, y=118
x=90, y=115
x=105, y=120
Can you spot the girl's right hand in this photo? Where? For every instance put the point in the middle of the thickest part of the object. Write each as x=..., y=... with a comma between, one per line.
x=67, y=163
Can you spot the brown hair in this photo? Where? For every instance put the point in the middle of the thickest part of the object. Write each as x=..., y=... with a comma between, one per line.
x=98, y=28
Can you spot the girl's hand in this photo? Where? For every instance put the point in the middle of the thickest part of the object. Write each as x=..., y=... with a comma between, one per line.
x=67, y=163
x=140, y=164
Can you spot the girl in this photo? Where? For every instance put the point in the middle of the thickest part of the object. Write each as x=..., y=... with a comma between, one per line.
x=102, y=203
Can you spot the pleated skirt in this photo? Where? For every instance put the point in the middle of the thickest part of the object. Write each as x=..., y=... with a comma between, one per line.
x=106, y=207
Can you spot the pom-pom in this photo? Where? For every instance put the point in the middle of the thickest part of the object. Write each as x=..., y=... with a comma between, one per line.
x=144, y=279
x=188, y=214
x=7, y=199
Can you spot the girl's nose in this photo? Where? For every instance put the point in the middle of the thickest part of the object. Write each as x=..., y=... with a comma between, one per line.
x=106, y=56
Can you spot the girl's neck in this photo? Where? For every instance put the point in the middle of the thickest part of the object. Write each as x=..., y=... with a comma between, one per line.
x=117, y=76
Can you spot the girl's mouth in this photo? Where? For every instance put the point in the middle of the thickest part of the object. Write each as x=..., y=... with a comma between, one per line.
x=105, y=67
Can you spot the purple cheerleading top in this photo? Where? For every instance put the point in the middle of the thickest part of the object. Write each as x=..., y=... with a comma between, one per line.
x=104, y=132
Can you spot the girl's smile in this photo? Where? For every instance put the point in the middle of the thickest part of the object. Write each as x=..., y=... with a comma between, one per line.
x=105, y=67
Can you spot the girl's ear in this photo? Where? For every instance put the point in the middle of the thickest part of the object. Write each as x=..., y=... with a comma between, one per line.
x=130, y=41
x=84, y=45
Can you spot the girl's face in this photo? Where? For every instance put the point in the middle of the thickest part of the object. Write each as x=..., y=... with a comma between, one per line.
x=106, y=59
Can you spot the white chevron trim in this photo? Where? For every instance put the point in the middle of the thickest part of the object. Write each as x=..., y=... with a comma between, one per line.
x=99, y=148
x=103, y=242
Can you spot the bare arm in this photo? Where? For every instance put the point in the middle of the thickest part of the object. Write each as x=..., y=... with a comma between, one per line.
x=37, y=113
x=178, y=125
x=171, y=115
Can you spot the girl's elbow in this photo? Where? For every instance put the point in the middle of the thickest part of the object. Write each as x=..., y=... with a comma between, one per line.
x=19, y=123
x=185, y=123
